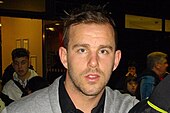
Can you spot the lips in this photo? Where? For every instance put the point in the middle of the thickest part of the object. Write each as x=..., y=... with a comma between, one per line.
x=20, y=71
x=92, y=77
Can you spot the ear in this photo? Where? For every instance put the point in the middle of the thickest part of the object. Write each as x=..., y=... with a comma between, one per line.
x=157, y=65
x=63, y=56
x=117, y=59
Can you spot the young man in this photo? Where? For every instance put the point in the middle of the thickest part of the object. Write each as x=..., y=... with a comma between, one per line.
x=90, y=55
x=14, y=88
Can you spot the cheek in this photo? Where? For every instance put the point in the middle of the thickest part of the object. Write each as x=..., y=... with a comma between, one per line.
x=129, y=86
x=108, y=64
x=106, y=68
x=15, y=68
x=78, y=60
x=76, y=63
x=25, y=67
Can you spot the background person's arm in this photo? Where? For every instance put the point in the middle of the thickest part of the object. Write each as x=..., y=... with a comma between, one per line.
x=146, y=86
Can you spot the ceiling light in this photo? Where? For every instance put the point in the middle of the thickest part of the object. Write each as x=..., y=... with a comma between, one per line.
x=50, y=28
x=57, y=24
x=1, y=2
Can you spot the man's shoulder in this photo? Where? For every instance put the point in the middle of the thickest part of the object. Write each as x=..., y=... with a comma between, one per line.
x=37, y=102
x=118, y=102
x=116, y=94
x=150, y=73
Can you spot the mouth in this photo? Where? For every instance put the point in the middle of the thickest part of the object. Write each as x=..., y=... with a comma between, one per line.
x=133, y=89
x=92, y=78
x=20, y=71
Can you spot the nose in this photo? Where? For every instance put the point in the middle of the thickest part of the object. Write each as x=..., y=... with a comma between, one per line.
x=133, y=85
x=19, y=65
x=93, y=60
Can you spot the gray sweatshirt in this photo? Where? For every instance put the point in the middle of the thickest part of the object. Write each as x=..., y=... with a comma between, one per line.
x=47, y=101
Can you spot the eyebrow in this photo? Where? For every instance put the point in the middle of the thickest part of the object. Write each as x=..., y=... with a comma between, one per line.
x=80, y=45
x=87, y=45
x=106, y=46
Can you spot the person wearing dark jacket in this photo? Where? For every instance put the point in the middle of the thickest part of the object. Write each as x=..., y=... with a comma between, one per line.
x=156, y=68
x=16, y=83
x=8, y=73
x=159, y=101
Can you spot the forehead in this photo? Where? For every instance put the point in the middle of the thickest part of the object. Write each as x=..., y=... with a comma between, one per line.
x=20, y=59
x=91, y=26
x=92, y=33
x=131, y=67
x=132, y=81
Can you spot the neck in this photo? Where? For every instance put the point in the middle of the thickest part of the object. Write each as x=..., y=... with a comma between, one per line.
x=81, y=101
x=87, y=103
x=158, y=72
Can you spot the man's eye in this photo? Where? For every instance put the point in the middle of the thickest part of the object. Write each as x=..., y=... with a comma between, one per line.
x=81, y=50
x=16, y=63
x=103, y=51
x=24, y=62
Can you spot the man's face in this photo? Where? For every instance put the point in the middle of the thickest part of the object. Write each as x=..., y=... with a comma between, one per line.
x=90, y=58
x=163, y=67
x=21, y=65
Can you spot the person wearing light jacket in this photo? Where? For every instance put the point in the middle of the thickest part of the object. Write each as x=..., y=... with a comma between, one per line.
x=90, y=55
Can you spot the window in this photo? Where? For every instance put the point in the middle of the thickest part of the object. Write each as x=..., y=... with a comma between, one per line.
x=141, y=22
x=167, y=25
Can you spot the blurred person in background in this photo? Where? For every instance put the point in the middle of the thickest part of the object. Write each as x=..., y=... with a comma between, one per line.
x=157, y=65
x=132, y=69
x=36, y=83
x=158, y=102
x=15, y=88
x=130, y=85
x=8, y=73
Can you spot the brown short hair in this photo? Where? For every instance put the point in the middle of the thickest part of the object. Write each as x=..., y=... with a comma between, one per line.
x=87, y=14
x=20, y=52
